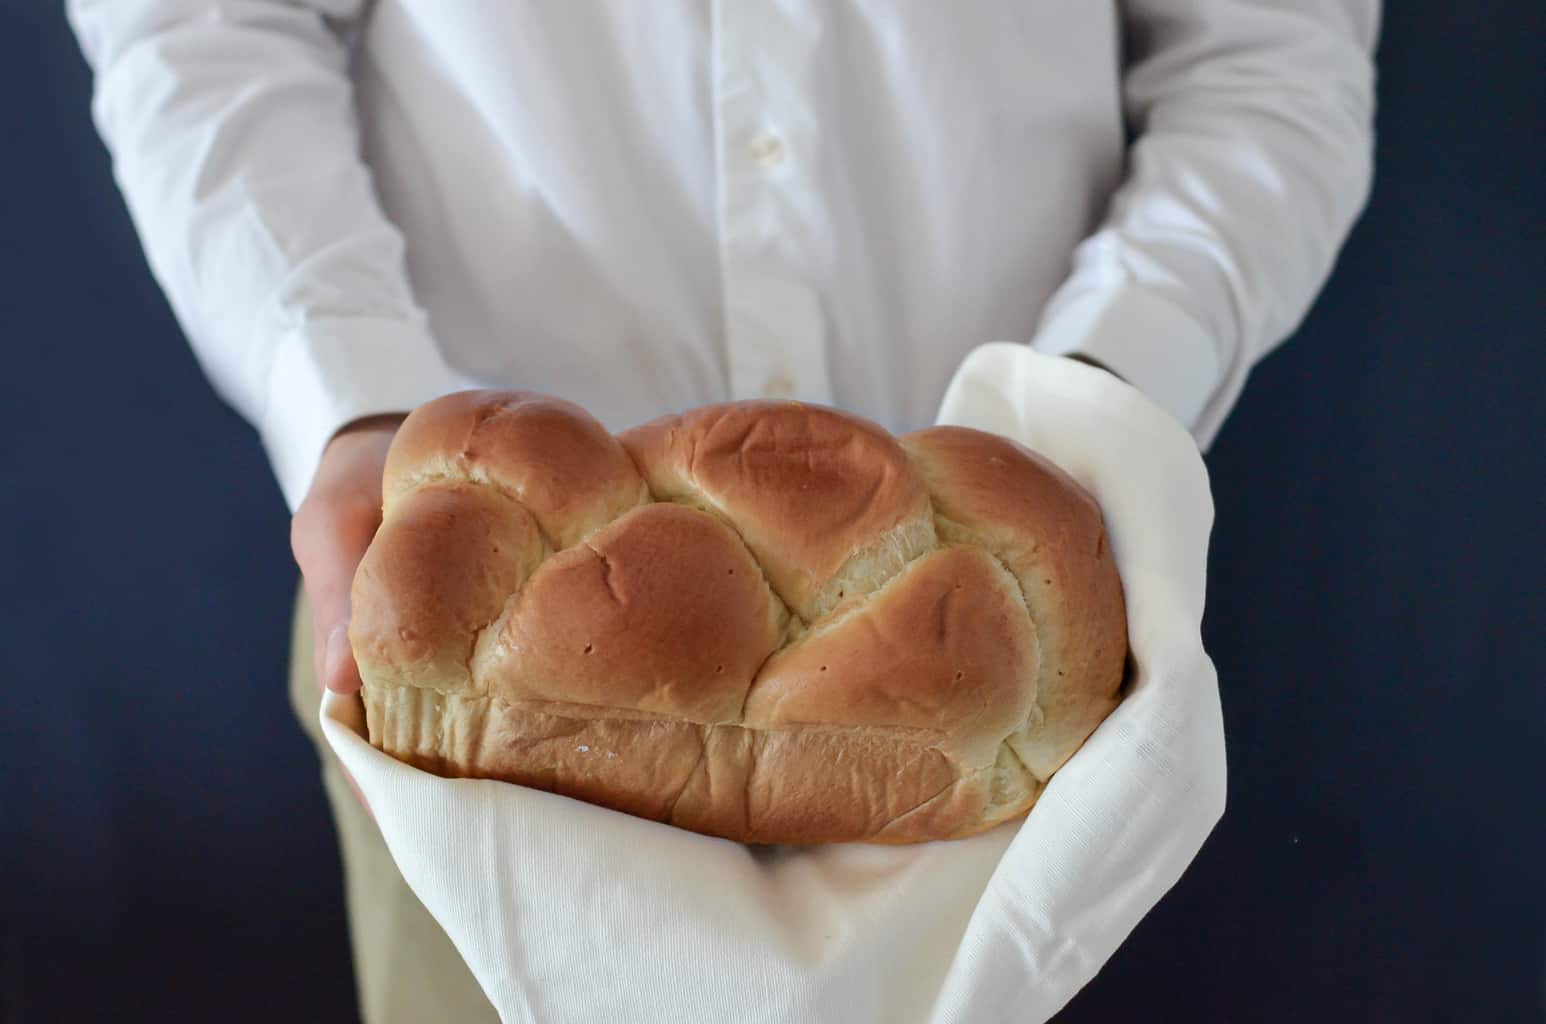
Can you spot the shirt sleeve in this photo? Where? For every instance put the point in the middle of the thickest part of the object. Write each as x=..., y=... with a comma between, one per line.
x=235, y=144
x=1252, y=156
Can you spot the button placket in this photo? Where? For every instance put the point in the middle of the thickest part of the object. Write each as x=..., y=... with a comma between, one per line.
x=774, y=327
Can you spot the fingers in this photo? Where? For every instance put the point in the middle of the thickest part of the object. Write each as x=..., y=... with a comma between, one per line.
x=330, y=538
x=329, y=535
x=339, y=671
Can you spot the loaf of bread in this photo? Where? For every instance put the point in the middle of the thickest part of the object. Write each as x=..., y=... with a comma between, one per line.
x=767, y=621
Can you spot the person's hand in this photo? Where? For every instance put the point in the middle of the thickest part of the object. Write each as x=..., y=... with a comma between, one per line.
x=329, y=535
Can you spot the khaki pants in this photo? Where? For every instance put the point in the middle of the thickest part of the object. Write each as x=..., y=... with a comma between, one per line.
x=405, y=968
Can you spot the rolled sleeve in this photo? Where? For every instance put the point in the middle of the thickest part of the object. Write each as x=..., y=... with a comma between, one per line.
x=1147, y=341
x=331, y=372
x=234, y=141
x=1252, y=157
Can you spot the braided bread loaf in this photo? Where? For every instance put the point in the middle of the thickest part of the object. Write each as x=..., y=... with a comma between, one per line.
x=771, y=622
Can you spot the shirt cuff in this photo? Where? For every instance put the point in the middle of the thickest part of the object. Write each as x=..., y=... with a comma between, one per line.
x=1146, y=340
x=329, y=373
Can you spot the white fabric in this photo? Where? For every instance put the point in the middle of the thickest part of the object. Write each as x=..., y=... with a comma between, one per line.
x=646, y=207
x=567, y=912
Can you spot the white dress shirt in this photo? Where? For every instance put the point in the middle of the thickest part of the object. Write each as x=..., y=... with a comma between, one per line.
x=354, y=207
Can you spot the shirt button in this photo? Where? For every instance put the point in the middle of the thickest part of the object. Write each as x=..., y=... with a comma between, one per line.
x=779, y=386
x=768, y=150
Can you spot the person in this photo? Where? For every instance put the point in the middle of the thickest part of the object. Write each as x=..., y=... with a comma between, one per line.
x=355, y=207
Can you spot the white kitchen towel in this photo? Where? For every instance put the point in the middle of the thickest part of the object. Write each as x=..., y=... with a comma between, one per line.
x=568, y=912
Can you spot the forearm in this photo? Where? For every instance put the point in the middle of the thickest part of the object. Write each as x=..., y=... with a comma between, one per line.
x=234, y=139
x=1252, y=158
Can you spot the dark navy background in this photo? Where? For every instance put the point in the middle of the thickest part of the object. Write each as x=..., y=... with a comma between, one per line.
x=1377, y=607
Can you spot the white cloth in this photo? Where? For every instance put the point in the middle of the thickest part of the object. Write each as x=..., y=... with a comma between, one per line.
x=568, y=912
x=645, y=207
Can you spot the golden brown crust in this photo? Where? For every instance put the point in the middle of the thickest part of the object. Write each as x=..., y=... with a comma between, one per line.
x=444, y=562
x=806, y=487
x=771, y=622
x=1048, y=532
x=945, y=649
x=552, y=456
x=629, y=618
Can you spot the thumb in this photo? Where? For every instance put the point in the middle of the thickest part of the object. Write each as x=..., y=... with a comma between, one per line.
x=329, y=547
x=337, y=670
x=340, y=673
x=330, y=533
